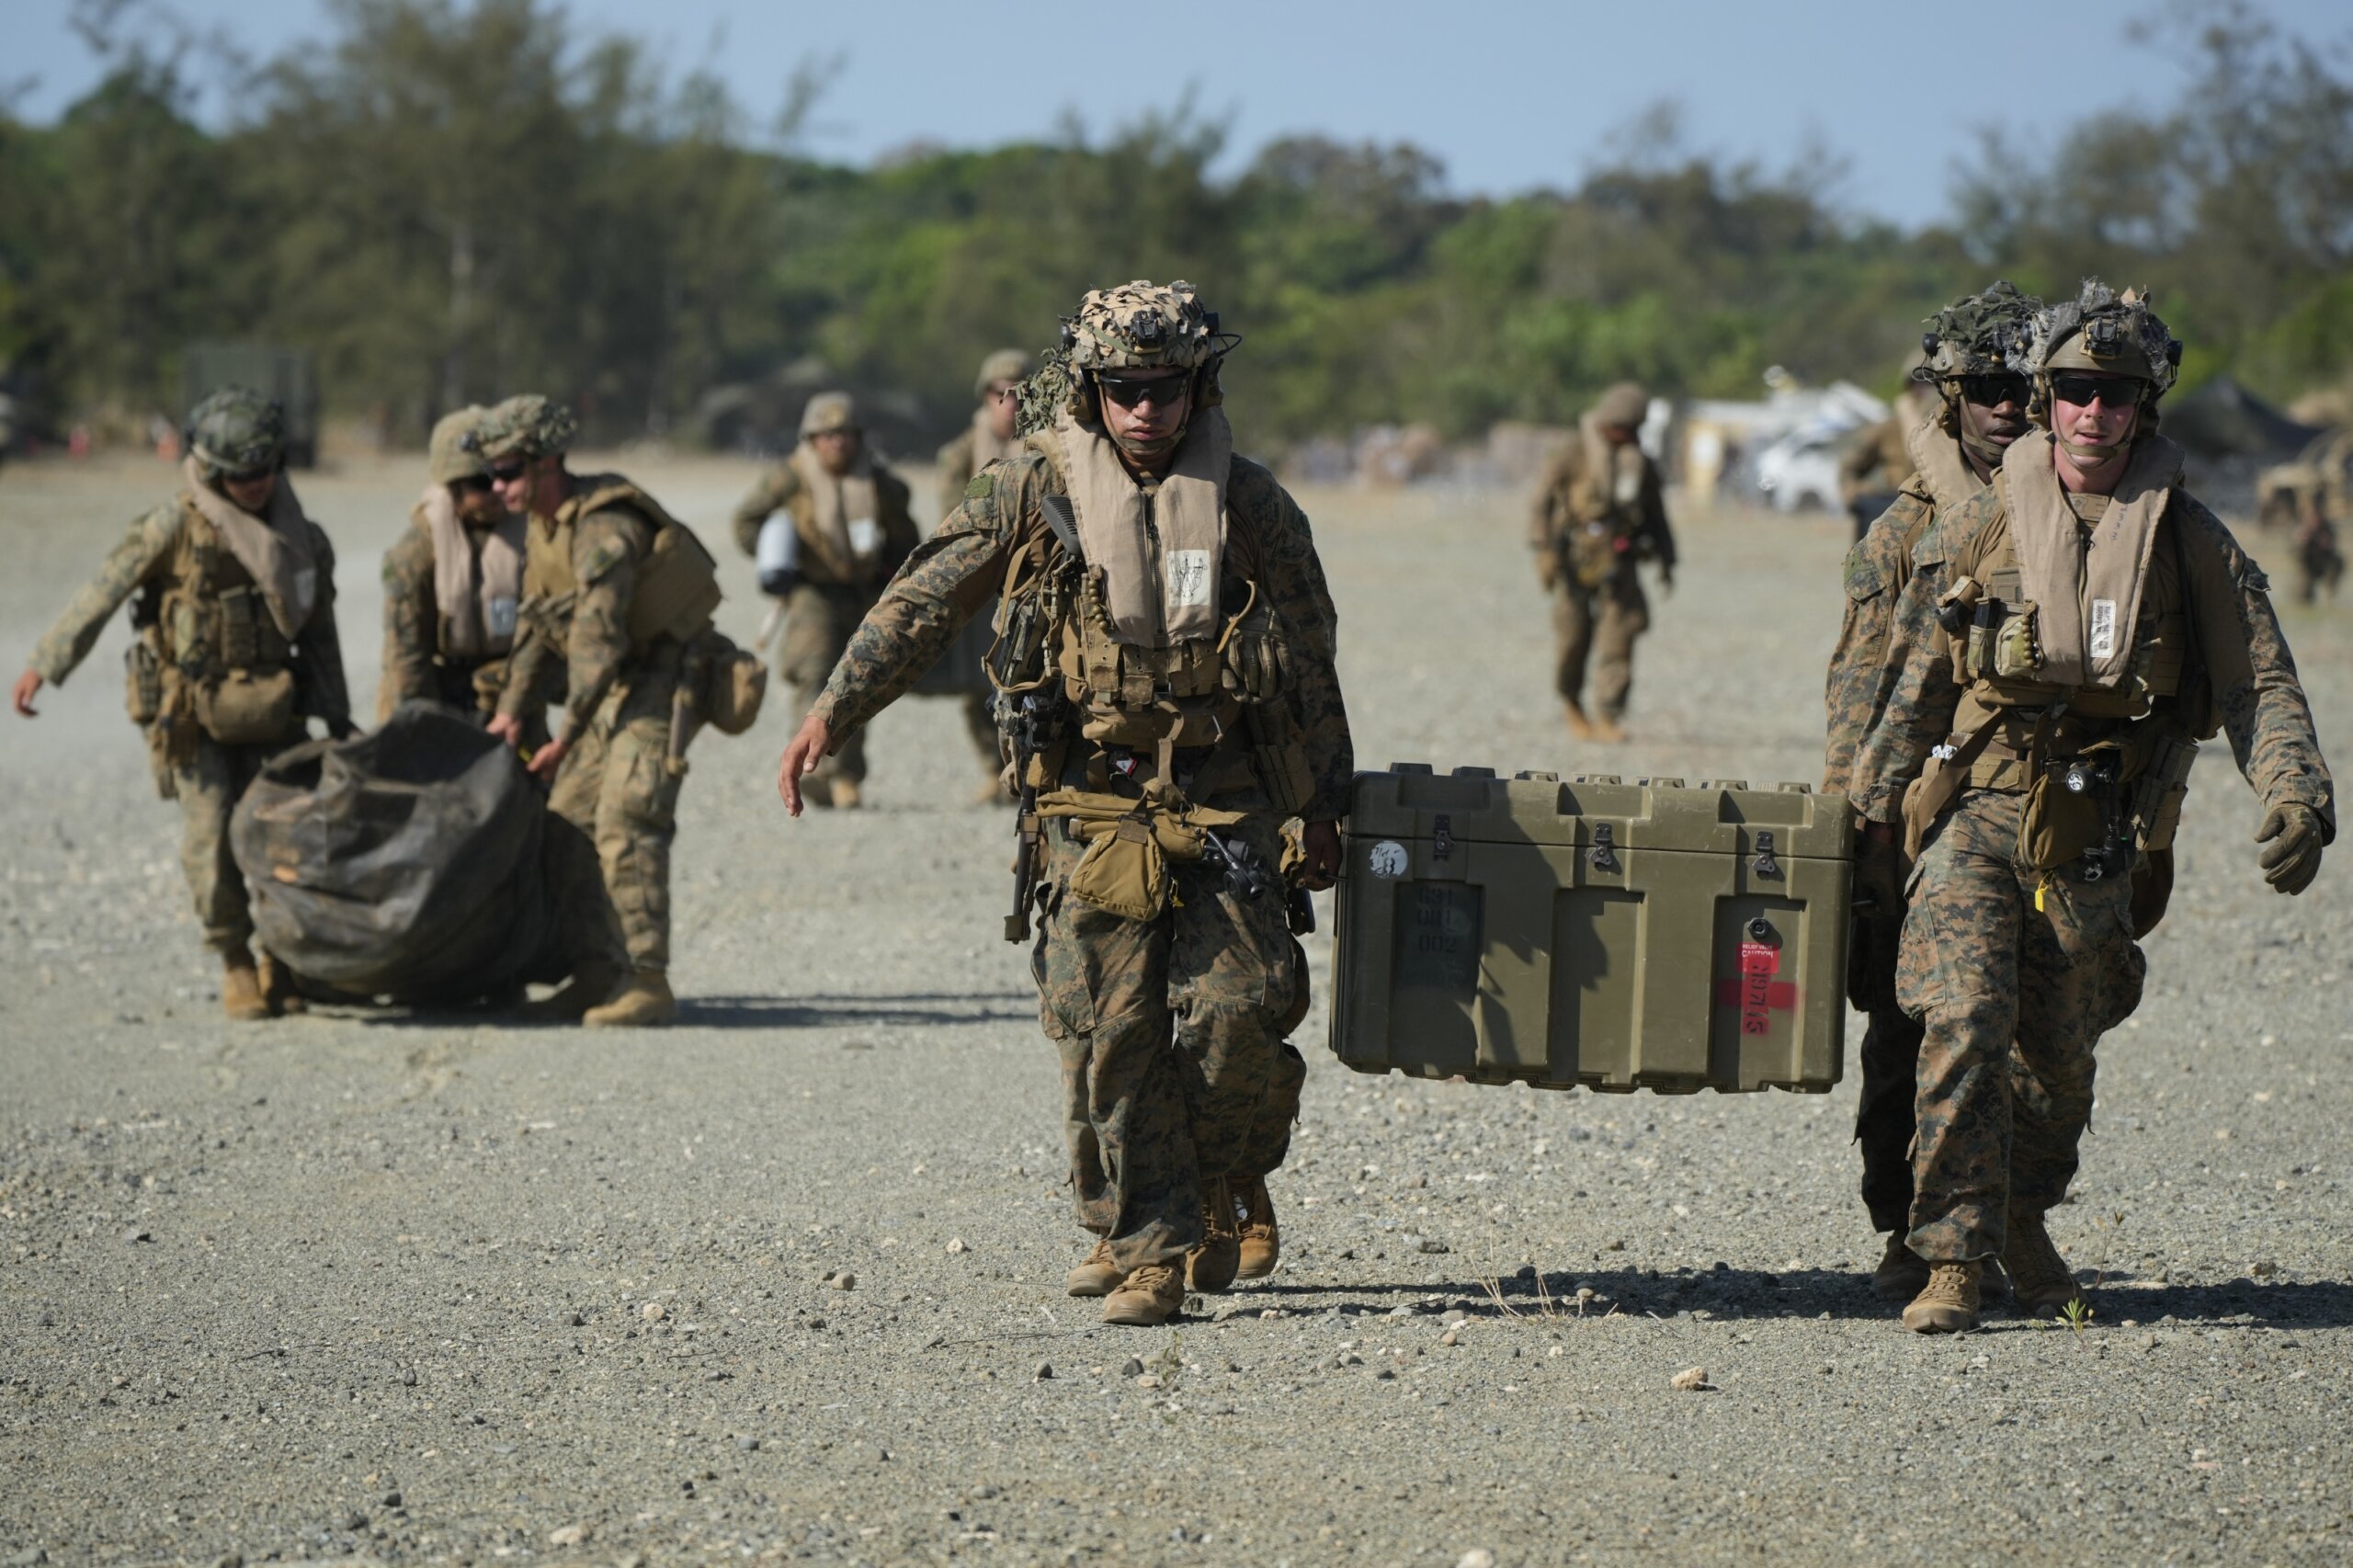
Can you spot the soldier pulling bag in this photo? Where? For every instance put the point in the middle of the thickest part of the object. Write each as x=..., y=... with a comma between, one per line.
x=404, y=864
x=1592, y=932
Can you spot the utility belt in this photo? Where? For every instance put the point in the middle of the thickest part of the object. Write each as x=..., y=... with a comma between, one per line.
x=2098, y=794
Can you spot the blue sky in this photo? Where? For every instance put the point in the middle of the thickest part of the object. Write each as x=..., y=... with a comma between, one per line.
x=1509, y=93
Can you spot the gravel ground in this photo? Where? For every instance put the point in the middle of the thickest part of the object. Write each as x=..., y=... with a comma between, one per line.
x=784, y=1280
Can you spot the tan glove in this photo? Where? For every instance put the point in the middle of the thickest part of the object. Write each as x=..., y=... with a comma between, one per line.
x=2292, y=860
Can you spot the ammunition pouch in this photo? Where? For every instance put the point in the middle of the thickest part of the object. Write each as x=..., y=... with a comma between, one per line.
x=1124, y=869
x=247, y=706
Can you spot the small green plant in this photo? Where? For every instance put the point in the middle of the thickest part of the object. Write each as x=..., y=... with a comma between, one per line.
x=2077, y=1313
x=1170, y=1363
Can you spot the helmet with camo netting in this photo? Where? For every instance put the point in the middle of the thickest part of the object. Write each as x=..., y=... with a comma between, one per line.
x=1138, y=326
x=237, y=431
x=1977, y=335
x=448, y=459
x=1004, y=365
x=530, y=426
x=2101, y=329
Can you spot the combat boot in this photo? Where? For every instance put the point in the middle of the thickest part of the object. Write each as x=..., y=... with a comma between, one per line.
x=1262, y=1244
x=643, y=1001
x=1210, y=1266
x=1098, y=1276
x=847, y=797
x=2038, y=1276
x=240, y=995
x=1948, y=1303
x=1149, y=1295
x=1902, y=1273
x=582, y=991
x=277, y=984
x=817, y=791
x=1608, y=731
x=1580, y=727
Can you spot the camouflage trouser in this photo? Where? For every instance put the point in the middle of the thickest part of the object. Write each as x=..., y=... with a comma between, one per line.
x=1982, y=967
x=1607, y=620
x=615, y=787
x=209, y=785
x=1269, y=1143
x=1166, y=1031
x=818, y=623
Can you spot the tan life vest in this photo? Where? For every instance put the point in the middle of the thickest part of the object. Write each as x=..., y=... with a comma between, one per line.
x=1054, y=624
x=1604, y=502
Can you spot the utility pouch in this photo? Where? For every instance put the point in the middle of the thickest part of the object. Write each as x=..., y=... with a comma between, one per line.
x=142, y=693
x=734, y=684
x=1980, y=657
x=240, y=639
x=2017, y=647
x=248, y=708
x=1123, y=871
x=2060, y=823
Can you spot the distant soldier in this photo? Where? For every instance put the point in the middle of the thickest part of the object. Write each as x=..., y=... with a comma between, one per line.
x=1880, y=460
x=452, y=584
x=236, y=647
x=1172, y=640
x=990, y=438
x=1598, y=517
x=1952, y=453
x=616, y=591
x=2088, y=620
x=828, y=526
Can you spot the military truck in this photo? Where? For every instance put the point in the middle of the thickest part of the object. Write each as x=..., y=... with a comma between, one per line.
x=290, y=375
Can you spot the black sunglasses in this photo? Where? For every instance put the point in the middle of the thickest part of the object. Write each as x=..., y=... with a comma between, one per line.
x=2083, y=390
x=472, y=484
x=1130, y=390
x=509, y=472
x=1992, y=391
x=245, y=475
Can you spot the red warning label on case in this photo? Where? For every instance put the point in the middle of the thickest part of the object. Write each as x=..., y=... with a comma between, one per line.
x=1754, y=991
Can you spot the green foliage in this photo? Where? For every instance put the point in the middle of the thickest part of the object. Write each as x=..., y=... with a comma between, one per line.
x=454, y=199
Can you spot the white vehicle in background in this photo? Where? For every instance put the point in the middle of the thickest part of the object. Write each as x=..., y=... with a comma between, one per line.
x=1799, y=472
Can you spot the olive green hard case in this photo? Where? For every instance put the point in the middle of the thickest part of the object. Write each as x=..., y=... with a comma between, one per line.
x=1589, y=931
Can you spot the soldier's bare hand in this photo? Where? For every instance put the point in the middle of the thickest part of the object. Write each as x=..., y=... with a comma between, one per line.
x=1319, y=848
x=2293, y=833
x=549, y=757
x=28, y=686
x=506, y=727
x=809, y=746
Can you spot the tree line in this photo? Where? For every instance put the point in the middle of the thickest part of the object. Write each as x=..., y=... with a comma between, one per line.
x=446, y=202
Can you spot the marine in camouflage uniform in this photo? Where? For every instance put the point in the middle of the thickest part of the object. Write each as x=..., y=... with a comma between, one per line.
x=1598, y=514
x=235, y=647
x=991, y=437
x=453, y=587
x=1176, y=682
x=850, y=529
x=1951, y=455
x=2094, y=622
x=600, y=610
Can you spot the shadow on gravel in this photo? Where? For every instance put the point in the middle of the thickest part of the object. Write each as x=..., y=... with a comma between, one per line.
x=913, y=1011
x=1808, y=1293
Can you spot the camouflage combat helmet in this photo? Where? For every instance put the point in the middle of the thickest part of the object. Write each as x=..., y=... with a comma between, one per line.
x=1977, y=335
x=1137, y=326
x=235, y=430
x=828, y=410
x=447, y=456
x=1004, y=365
x=530, y=426
x=2100, y=329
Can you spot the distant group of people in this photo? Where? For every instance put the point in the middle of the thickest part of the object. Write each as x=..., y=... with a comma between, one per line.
x=2039, y=630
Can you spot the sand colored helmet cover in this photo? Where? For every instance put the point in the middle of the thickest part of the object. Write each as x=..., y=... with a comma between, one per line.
x=1625, y=403
x=530, y=426
x=448, y=458
x=1004, y=365
x=237, y=431
x=828, y=410
x=1977, y=335
x=2101, y=329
